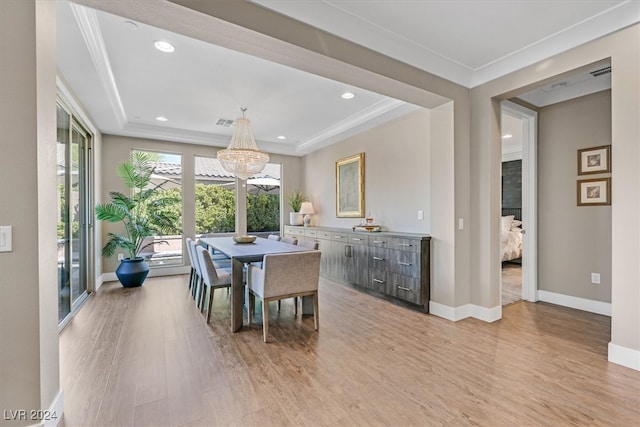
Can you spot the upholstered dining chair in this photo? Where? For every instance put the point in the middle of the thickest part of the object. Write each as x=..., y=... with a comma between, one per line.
x=289, y=240
x=311, y=244
x=284, y=275
x=212, y=277
x=195, y=265
x=274, y=237
x=193, y=277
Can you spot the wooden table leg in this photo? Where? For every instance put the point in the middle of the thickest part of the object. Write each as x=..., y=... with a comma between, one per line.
x=237, y=295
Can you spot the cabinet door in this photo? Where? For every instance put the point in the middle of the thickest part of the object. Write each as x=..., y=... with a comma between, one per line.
x=355, y=262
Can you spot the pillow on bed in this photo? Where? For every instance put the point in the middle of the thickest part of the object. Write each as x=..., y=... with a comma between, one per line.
x=515, y=224
x=506, y=222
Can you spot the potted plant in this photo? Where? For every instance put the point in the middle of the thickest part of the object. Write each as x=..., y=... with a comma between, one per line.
x=143, y=215
x=295, y=202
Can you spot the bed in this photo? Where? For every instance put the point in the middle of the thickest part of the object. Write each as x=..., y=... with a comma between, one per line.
x=511, y=234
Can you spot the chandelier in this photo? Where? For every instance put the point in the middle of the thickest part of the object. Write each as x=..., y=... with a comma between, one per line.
x=242, y=157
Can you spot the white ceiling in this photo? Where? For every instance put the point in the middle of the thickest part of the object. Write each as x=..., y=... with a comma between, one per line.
x=124, y=83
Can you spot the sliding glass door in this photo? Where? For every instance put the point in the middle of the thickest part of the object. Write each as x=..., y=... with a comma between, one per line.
x=74, y=212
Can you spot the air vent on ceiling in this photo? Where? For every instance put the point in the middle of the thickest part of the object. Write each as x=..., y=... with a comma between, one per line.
x=224, y=123
x=601, y=71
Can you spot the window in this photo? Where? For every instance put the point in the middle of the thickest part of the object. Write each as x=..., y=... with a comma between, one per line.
x=215, y=197
x=166, y=250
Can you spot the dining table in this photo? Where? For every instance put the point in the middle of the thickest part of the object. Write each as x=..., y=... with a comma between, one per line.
x=241, y=254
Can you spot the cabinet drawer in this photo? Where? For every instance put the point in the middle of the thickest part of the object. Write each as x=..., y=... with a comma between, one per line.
x=405, y=263
x=378, y=281
x=310, y=233
x=405, y=288
x=402, y=244
x=339, y=237
x=355, y=239
x=379, y=259
x=298, y=231
x=324, y=235
x=288, y=229
x=378, y=241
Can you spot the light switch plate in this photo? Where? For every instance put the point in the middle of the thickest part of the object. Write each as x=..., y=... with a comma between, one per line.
x=5, y=238
x=420, y=214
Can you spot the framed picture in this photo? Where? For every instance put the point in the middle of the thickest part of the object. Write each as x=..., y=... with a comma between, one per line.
x=350, y=187
x=594, y=192
x=594, y=160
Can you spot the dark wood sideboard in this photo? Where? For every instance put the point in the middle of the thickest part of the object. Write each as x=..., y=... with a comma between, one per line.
x=391, y=265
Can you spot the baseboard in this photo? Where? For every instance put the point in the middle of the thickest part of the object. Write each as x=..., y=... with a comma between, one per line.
x=154, y=272
x=624, y=356
x=583, y=304
x=51, y=417
x=462, y=312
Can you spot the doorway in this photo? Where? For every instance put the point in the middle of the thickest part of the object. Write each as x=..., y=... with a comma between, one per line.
x=518, y=224
x=74, y=213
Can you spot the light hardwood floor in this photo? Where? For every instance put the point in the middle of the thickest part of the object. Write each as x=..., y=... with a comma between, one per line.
x=146, y=357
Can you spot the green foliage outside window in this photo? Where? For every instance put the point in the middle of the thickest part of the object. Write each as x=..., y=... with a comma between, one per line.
x=216, y=210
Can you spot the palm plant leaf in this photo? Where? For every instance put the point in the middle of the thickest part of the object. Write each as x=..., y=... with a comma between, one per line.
x=110, y=212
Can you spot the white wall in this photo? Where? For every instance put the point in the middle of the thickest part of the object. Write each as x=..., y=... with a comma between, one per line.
x=397, y=175
x=29, y=378
x=573, y=240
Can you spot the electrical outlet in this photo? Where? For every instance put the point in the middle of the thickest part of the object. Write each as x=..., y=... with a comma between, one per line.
x=120, y=256
x=420, y=214
x=460, y=223
x=595, y=278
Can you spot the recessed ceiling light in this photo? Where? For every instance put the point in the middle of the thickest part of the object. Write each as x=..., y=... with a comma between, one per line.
x=282, y=137
x=348, y=95
x=162, y=119
x=163, y=46
x=507, y=136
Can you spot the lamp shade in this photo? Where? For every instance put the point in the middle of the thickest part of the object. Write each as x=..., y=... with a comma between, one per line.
x=306, y=208
x=242, y=157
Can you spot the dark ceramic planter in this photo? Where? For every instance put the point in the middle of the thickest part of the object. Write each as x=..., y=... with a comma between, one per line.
x=132, y=272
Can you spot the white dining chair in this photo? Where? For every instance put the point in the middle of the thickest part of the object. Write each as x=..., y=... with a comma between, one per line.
x=289, y=240
x=284, y=275
x=274, y=237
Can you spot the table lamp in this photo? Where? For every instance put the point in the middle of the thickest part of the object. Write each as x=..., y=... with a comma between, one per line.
x=307, y=210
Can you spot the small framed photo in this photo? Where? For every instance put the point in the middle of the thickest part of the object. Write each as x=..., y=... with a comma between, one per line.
x=594, y=192
x=594, y=160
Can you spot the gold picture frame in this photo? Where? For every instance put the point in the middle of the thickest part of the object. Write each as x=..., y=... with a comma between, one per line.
x=594, y=192
x=594, y=160
x=350, y=187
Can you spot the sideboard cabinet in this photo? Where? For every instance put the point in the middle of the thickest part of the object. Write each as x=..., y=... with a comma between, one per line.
x=392, y=265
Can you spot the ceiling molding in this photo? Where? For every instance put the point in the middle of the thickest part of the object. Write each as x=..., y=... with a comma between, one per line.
x=609, y=21
x=357, y=119
x=90, y=28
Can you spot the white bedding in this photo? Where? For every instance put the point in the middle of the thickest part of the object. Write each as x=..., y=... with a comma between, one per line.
x=510, y=239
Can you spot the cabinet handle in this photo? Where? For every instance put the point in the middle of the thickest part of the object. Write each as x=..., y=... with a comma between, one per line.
x=375, y=258
x=402, y=288
x=337, y=237
x=378, y=281
x=356, y=239
x=404, y=263
x=404, y=244
x=378, y=241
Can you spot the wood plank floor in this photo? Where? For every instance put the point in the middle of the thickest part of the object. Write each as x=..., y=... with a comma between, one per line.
x=146, y=357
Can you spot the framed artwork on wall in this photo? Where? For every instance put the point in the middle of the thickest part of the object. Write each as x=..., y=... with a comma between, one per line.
x=350, y=187
x=594, y=192
x=594, y=160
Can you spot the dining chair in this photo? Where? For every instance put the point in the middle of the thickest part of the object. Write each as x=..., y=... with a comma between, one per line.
x=284, y=275
x=311, y=244
x=274, y=237
x=289, y=240
x=197, y=276
x=193, y=276
x=213, y=278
